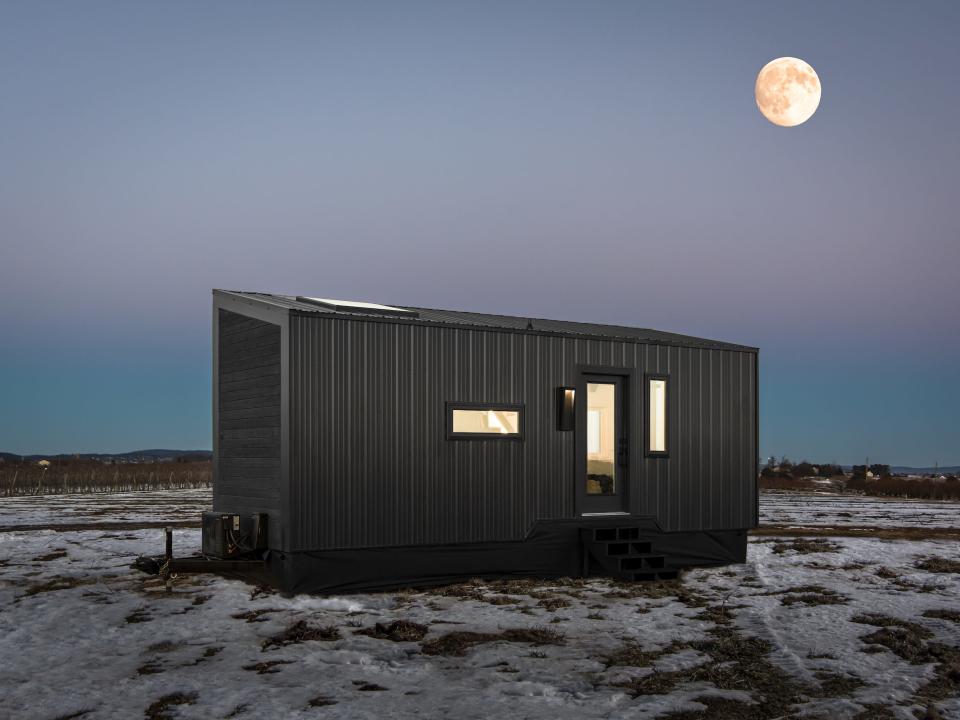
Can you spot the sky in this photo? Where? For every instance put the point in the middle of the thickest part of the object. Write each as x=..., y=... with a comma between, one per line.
x=601, y=162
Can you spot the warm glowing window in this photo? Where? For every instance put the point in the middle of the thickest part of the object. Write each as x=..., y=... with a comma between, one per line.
x=657, y=415
x=484, y=421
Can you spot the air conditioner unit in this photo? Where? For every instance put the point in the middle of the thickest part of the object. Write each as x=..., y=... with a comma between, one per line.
x=227, y=535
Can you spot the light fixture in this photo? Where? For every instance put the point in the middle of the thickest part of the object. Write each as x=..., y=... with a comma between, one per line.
x=565, y=408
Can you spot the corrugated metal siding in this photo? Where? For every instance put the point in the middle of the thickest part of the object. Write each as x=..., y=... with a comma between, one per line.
x=370, y=464
x=248, y=449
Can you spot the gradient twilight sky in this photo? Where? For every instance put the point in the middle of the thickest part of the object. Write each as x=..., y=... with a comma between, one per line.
x=597, y=161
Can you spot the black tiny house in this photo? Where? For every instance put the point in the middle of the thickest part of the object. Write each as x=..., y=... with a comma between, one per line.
x=392, y=446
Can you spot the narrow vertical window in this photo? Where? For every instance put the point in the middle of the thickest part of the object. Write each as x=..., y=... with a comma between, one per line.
x=657, y=415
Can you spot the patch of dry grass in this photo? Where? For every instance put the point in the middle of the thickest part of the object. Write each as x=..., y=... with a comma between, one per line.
x=806, y=546
x=835, y=685
x=552, y=604
x=939, y=565
x=253, y=616
x=457, y=643
x=632, y=654
x=55, y=554
x=365, y=686
x=397, y=631
x=736, y=662
x=140, y=615
x=299, y=632
x=160, y=709
x=58, y=582
x=870, y=531
x=951, y=615
x=903, y=638
x=268, y=667
x=812, y=595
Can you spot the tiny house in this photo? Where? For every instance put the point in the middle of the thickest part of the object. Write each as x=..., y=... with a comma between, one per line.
x=396, y=446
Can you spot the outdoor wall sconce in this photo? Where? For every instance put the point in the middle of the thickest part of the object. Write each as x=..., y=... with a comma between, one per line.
x=565, y=408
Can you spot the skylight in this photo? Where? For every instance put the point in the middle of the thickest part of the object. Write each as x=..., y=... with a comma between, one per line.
x=357, y=306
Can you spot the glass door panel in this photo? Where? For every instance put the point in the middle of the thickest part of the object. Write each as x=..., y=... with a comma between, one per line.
x=601, y=438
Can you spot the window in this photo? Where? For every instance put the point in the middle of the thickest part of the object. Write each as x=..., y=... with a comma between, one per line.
x=657, y=414
x=484, y=421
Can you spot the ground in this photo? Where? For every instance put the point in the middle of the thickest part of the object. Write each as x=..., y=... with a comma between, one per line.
x=832, y=627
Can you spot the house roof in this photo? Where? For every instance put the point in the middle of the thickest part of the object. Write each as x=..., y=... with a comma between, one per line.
x=301, y=305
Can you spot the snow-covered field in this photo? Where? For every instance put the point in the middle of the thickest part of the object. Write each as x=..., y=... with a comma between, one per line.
x=129, y=507
x=789, y=508
x=833, y=628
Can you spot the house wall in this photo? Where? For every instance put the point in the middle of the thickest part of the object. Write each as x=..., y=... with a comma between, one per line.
x=370, y=464
x=247, y=447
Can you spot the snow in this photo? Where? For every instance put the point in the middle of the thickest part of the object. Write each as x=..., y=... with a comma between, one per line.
x=128, y=507
x=789, y=508
x=110, y=640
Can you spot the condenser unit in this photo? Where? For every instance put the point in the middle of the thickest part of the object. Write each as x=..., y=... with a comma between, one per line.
x=227, y=535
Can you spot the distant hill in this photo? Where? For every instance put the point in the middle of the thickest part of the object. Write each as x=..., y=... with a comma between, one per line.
x=907, y=470
x=944, y=470
x=153, y=455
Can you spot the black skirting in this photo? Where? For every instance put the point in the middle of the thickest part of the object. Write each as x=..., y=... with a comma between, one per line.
x=552, y=549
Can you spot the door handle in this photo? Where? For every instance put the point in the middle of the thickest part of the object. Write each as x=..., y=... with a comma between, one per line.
x=622, y=452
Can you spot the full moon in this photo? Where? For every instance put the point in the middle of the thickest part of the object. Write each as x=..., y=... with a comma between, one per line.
x=787, y=91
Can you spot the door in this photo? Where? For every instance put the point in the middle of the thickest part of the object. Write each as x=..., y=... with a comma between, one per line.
x=603, y=456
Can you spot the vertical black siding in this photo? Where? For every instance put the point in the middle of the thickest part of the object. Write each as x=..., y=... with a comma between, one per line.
x=370, y=464
x=248, y=412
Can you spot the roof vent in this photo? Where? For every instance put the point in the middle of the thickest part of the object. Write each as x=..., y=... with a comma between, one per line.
x=353, y=306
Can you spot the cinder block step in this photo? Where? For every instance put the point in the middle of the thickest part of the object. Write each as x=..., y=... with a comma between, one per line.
x=615, y=533
x=618, y=547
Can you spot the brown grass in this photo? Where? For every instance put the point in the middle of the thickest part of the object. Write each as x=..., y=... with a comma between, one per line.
x=802, y=546
x=52, y=555
x=736, y=662
x=457, y=643
x=253, y=616
x=552, y=604
x=31, y=479
x=902, y=637
x=811, y=595
x=397, y=631
x=951, y=615
x=56, y=583
x=939, y=565
x=160, y=709
x=364, y=686
x=300, y=632
x=911, y=642
x=884, y=533
x=267, y=668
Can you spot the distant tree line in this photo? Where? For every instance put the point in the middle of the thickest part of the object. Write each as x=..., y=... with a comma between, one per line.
x=786, y=469
x=875, y=479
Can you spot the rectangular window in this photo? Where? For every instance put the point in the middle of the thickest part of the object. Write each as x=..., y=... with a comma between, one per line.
x=484, y=421
x=657, y=414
